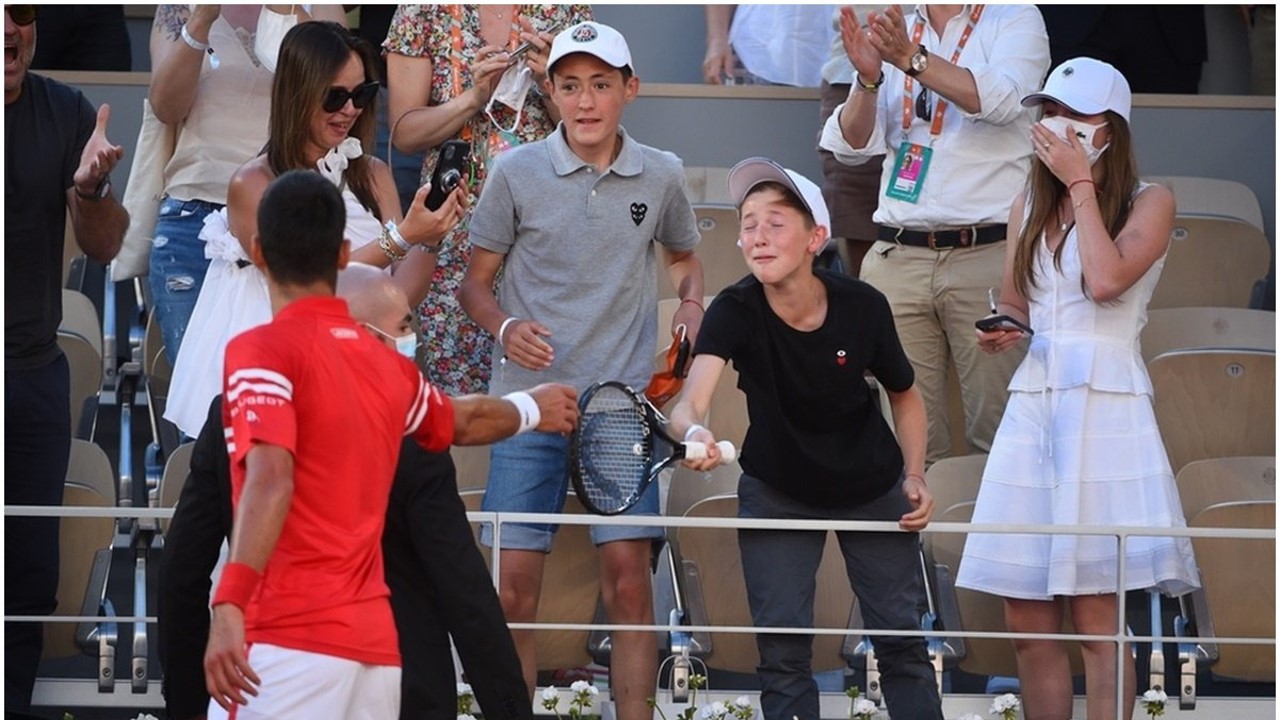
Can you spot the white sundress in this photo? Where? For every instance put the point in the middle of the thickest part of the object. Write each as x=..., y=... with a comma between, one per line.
x=1078, y=445
x=233, y=299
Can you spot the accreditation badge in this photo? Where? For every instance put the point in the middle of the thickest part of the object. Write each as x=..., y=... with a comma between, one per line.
x=909, y=169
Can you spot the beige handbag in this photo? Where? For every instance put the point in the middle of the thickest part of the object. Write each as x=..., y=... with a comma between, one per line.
x=156, y=142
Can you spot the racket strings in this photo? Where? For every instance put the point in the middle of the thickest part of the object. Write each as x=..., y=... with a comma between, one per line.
x=615, y=452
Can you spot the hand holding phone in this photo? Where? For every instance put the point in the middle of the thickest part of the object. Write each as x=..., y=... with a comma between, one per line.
x=992, y=323
x=449, y=171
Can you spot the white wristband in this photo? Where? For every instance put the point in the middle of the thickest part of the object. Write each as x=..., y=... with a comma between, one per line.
x=502, y=329
x=530, y=415
x=397, y=238
x=692, y=429
x=194, y=43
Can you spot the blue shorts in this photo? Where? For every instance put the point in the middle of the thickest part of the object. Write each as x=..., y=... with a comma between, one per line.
x=530, y=473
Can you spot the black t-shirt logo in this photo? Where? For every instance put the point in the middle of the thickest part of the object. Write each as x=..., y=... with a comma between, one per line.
x=638, y=211
x=841, y=357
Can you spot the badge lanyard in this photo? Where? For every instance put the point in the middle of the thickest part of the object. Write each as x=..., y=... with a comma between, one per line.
x=467, y=133
x=909, y=84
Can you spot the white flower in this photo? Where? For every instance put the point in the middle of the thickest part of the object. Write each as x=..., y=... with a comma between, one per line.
x=593, y=690
x=146, y=716
x=1155, y=696
x=742, y=701
x=466, y=717
x=550, y=693
x=1005, y=703
x=863, y=708
x=463, y=689
x=580, y=685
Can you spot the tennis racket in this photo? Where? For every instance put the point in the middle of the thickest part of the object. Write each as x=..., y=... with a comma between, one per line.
x=620, y=446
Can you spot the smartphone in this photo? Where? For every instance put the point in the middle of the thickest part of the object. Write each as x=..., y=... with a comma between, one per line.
x=450, y=168
x=1002, y=322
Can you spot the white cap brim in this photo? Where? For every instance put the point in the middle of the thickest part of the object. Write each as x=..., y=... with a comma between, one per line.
x=751, y=172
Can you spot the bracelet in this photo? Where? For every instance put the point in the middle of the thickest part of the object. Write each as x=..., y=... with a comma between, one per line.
x=237, y=586
x=693, y=302
x=692, y=429
x=384, y=242
x=430, y=249
x=397, y=238
x=502, y=329
x=917, y=476
x=869, y=88
x=1078, y=182
x=530, y=415
x=192, y=42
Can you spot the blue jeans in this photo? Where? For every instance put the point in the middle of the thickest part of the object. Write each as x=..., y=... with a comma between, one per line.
x=780, y=567
x=530, y=473
x=178, y=266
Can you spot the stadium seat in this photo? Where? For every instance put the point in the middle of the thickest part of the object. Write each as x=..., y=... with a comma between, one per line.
x=1212, y=262
x=1215, y=403
x=79, y=317
x=176, y=469
x=472, y=465
x=708, y=185
x=1213, y=198
x=722, y=263
x=86, y=376
x=1204, y=328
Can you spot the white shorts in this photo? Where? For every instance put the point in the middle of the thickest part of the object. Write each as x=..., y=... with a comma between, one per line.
x=300, y=684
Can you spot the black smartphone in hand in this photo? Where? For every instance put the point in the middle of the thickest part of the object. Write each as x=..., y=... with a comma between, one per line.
x=451, y=166
x=991, y=323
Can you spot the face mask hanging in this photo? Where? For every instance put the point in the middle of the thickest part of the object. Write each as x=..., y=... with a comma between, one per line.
x=272, y=27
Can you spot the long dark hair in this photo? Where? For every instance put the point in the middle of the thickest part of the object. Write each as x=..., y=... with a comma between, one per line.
x=1045, y=194
x=311, y=55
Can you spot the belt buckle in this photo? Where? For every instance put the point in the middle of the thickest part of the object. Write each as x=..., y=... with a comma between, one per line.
x=967, y=237
x=933, y=240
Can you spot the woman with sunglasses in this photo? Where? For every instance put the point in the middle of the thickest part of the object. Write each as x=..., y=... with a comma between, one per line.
x=322, y=117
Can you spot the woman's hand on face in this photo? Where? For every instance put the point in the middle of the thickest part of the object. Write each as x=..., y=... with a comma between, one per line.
x=422, y=226
x=997, y=341
x=1065, y=157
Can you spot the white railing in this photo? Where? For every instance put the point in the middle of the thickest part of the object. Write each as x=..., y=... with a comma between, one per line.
x=1120, y=638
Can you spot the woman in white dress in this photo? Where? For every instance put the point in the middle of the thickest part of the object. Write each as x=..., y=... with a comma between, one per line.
x=322, y=117
x=1078, y=444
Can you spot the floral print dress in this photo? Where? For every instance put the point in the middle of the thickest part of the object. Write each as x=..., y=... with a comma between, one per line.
x=458, y=352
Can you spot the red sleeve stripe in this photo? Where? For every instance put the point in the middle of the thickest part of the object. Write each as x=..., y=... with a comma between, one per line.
x=418, y=410
x=267, y=382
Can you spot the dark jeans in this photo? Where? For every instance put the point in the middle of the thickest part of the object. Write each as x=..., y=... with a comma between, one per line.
x=37, y=437
x=780, y=568
x=438, y=579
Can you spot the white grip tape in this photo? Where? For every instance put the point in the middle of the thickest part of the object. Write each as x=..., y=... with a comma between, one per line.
x=698, y=451
x=530, y=415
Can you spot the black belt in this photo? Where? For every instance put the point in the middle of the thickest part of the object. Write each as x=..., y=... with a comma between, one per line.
x=945, y=239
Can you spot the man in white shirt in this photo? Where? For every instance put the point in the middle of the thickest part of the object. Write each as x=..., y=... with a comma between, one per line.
x=937, y=91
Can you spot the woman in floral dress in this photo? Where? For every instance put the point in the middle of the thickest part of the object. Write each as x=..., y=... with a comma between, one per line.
x=443, y=63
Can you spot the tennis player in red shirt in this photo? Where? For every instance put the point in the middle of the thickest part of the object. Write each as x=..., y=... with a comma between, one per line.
x=314, y=412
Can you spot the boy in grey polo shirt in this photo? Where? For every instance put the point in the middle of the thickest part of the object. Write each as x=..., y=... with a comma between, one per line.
x=572, y=221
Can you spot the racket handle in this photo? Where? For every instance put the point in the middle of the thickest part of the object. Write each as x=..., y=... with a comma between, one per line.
x=698, y=451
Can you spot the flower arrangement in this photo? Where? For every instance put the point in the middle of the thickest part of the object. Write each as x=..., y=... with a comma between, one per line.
x=583, y=692
x=860, y=708
x=1153, y=701
x=1006, y=706
x=739, y=709
x=466, y=699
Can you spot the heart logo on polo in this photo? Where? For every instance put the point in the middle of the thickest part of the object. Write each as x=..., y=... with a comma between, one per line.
x=841, y=357
x=638, y=211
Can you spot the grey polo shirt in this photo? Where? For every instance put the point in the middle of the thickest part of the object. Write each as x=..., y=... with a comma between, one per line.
x=580, y=255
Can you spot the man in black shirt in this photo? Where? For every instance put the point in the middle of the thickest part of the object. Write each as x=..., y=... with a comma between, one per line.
x=56, y=159
x=817, y=446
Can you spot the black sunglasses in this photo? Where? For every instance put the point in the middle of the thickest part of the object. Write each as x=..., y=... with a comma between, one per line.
x=923, y=109
x=335, y=98
x=21, y=15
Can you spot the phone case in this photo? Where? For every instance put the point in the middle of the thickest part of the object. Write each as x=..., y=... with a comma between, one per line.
x=1001, y=322
x=448, y=173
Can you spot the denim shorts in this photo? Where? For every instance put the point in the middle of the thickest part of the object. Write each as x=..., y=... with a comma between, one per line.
x=178, y=266
x=530, y=473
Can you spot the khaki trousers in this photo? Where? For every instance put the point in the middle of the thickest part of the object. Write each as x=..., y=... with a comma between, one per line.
x=936, y=296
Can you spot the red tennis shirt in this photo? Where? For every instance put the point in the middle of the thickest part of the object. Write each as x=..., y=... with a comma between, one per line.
x=315, y=383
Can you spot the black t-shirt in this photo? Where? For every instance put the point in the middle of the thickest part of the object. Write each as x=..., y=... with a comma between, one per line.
x=45, y=130
x=815, y=433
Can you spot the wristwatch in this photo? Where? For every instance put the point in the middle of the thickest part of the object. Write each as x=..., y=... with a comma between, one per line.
x=100, y=192
x=919, y=62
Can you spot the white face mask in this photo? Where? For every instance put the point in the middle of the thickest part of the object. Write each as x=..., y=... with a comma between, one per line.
x=272, y=27
x=1084, y=132
x=406, y=345
x=511, y=91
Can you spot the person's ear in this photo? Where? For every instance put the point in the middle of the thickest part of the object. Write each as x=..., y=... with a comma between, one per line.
x=344, y=253
x=255, y=253
x=633, y=88
x=818, y=239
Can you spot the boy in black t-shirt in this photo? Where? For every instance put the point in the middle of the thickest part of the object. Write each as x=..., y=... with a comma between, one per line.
x=817, y=446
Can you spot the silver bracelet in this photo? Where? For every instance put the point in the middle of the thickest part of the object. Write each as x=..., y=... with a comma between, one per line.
x=502, y=329
x=194, y=43
x=397, y=238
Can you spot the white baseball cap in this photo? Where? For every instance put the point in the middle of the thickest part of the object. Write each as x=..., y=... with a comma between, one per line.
x=753, y=171
x=1085, y=86
x=592, y=38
